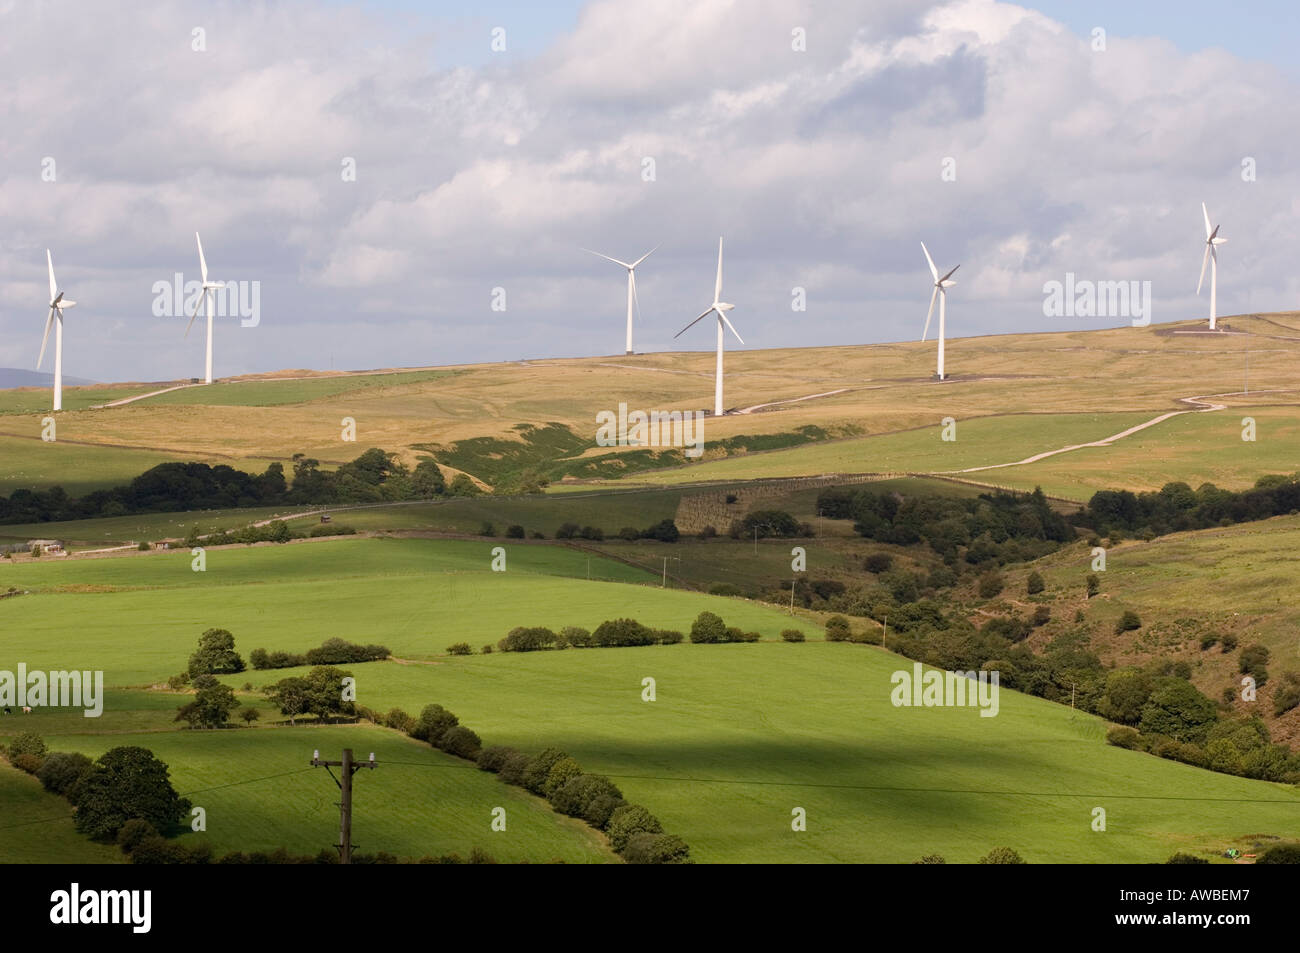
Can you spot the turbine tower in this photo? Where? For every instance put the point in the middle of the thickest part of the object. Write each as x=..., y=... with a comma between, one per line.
x=721, y=307
x=206, y=301
x=1212, y=241
x=57, y=304
x=941, y=286
x=631, y=286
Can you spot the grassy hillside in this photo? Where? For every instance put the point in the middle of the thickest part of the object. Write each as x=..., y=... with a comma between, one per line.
x=1078, y=381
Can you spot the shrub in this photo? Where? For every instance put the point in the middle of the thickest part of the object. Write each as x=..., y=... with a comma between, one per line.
x=629, y=533
x=539, y=769
x=527, y=639
x=1254, y=658
x=1001, y=855
x=566, y=531
x=561, y=773
x=1042, y=615
x=628, y=821
x=1121, y=736
x=614, y=632
x=1127, y=622
x=434, y=720
x=487, y=649
x=257, y=659
x=515, y=531
x=725, y=589
x=27, y=742
x=513, y=767
x=990, y=584
x=134, y=832
x=1229, y=643
x=1034, y=584
x=931, y=859
x=340, y=651
x=399, y=719
x=656, y=849
x=1094, y=584
x=178, y=681
x=665, y=531
x=459, y=648
x=461, y=742
x=250, y=715
x=878, y=562
x=669, y=636
x=491, y=759
x=1181, y=858
x=708, y=628
x=1287, y=694
x=576, y=636
x=601, y=809
x=1209, y=642
x=592, y=532
x=1280, y=854
x=31, y=763
x=575, y=797
x=838, y=629
x=792, y=635
x=62, y=770
x=708, y=532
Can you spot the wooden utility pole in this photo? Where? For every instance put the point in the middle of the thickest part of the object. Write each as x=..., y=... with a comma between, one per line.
x=348, y=768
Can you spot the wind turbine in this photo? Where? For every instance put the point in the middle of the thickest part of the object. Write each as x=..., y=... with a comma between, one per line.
x=57, y=304
x=631, y=285
x=1212, y=240
x=941, y=286
x=721, y=307
x=206, y=301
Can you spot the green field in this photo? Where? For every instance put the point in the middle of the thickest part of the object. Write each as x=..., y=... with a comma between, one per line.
x=39, y=400
x=36, y=827
x=739, y=734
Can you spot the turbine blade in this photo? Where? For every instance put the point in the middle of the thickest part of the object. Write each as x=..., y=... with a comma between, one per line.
x=1204, y=261
x=947, y=276
x=607, y=258
x=49, y=322
x=930, y=261
x=1206, y=213
x=929, y=314
x=636, y=302
x=727, y=322
x=54, y=288
x=203, y=264
x=693, y=323
x=717, y=288
x=198, y=304
x=645, y=256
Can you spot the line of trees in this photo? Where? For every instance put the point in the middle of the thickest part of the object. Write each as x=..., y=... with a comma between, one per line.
x=708, y=628
x=1176, y=507
x=374, y=476
x=634, y=833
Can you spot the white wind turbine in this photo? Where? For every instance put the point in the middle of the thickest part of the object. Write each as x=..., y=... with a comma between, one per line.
x=206, y=301
x=721, y=307
x=940, y=291
x=57, y=304
x=1212, y=240
x=631, y=285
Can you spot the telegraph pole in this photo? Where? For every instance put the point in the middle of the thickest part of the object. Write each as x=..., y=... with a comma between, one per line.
x=349, y=768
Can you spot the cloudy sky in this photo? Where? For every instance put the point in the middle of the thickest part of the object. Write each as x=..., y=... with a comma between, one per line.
x=813, y=135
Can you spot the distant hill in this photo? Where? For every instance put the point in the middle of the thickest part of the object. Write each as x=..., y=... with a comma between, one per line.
x=18, y=377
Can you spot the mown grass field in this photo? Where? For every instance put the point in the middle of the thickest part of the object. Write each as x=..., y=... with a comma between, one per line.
x=738, y=736
x=39, y=400
x=36, y=827
x=272, y=393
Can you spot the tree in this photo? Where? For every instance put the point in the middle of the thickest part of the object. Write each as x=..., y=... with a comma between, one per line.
x=665, y=531
x=277, y=531
x=461, y=742
x=628, y=821
x=656, y=849
x=561, y=773
x=515, y=531
x=250, y=715
x=1094, y=584
x=27, y=742
x=708, y=628
x=125, y=783
x=433, y=722
x=61, y=771
x=539, y=769
x=427, y=480
x=577, y=795
x=1001, y=855
x=290, y=695
x=459, y=648
x=462, y=485
x=1034, y=584
x=1178, y=710
x=1127, y=622
x=211, y=707
x=838, y=629
x=325, y=692
x=990, y=584
x=878, y=562
x=216, y=654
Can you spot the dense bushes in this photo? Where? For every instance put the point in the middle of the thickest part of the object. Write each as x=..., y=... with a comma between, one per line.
x=527, y=639
x=1176, y=507
x=708, y=628
x=621, y=632
x=613, y=633
x=62, y=770
x=125, y=783
x=333, y=651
